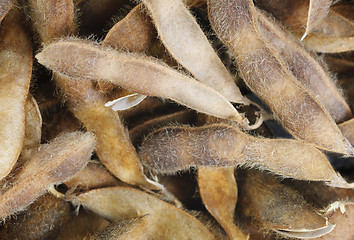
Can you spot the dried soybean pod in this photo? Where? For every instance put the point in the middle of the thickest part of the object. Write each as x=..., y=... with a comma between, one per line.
x=347, y=129
x=94, y=175
x=42, y=220
x=138, y=73
x=186, y=42
x=305, y=68
x=165, y=220
x=318, y=10
x=266, y=75
x=134, y=33
x=170, y=149
x=52, y=18
x=114, y=148
x=54, y=163
x=16, y=70
x=267, y=204
x=218, y=190
x=5, y=6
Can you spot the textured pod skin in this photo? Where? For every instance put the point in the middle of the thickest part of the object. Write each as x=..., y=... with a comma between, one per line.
x=170, y=149
x=305, y=67
x=58, y=162
x=265, y=74
x=138, y=73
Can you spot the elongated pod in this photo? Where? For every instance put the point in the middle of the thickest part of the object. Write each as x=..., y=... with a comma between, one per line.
x=266, y=75
x=186, y=42
x=54, y=163
x=305, y=68
x=170, y=149
x=80, y=59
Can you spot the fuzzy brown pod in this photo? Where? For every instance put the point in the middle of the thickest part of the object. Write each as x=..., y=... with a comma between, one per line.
x=218, y=190
x=138, y=73
x=186, y=42
x=114, y=148
x=42, y=220
x=267, y=76
x=267, y=204
x=305, y=67
x=16, y=71
x=119, y=203
x=113, y=145
x=347, y=129
x=171, y=149
x=54, y=163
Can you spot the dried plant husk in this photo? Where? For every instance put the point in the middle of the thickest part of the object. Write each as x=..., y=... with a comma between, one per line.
x=114, y=148
x=267, y=204
x=16, y=71
x=42, y=220
x=94, y=175
x=120, y=203
x=171, y=149
x=305, y=67
x=266, y=75
x=174, y=24
x=218, y=190
x=54, y=163
x=138, y=73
